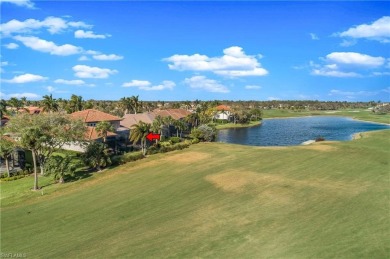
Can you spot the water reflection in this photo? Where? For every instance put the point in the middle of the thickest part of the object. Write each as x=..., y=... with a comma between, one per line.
x=294, y=131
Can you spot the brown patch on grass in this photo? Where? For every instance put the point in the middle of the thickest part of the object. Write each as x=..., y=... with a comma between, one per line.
x=187, y=157
x=321, y=146
x=278, y=188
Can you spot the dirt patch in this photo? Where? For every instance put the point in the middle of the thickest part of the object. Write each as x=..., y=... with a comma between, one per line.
x=187, y=157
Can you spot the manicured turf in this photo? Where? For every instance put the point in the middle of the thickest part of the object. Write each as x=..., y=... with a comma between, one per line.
x=328, y=200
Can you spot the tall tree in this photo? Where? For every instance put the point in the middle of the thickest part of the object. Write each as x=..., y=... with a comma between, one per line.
x=75, y=103
x=102, y=128
x=6, y=149
x=59, y=166
x=180, y=126
x=135, y=103
x=15, y=103
x=157, y=125
x=48, y=133
x=49, y=104
x=139, y=133
x=96, y=156
x=125, y=104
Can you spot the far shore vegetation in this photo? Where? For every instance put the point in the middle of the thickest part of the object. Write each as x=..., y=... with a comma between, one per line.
x=201, y=199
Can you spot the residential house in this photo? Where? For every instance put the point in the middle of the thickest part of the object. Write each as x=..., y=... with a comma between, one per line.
x=91, y=117
x=223, y=113
x=129, y=120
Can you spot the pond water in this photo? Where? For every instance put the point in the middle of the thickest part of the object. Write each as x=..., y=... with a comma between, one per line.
x=295, y=131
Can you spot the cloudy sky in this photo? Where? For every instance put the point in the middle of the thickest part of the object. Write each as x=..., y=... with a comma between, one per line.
x=196, y=50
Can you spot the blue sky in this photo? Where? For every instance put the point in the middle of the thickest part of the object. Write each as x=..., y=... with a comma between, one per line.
x=233, y=50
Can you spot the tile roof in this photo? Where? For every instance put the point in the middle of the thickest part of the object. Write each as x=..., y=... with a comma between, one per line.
x=92, y=134
x=129, y=120
x=91, y=115
x=223, y=108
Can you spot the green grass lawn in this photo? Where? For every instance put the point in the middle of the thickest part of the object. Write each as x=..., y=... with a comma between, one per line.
x=365, y=115
x=213, y=200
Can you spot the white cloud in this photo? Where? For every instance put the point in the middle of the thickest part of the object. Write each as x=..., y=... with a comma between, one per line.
x=379, y=30
x=333, y=73
x=147, y=86
x=81, y=34
x=137, y=83
x=52, y=24
x=313, y=36
x=11, y=45
x=210, y=85
x=20, y=95
x=252, y=87
x=48, y=46
x=22, y=3
x=69, y=82
x=25, y=78
x=83, y=58
x=353, y=58
x=107, y=57
x=233, y=63
x=346, y=64
x=83, y=71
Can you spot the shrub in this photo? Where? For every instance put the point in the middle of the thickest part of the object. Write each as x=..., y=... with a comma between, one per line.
x=174, y=140
x=204, y=133
x=12, y=178
x=128, y=157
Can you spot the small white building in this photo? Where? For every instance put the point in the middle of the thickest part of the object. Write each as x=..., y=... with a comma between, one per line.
x=223, y=113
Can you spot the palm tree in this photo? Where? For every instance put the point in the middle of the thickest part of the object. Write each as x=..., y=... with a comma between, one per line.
x=75, y=103
x=180, y=126
x=135, y=103
x=125, y=104
x=157, y=125
x=168, y=121
x=60, y=166
x=96, y=156
x=102, y=128
x=49, y=103
x=192, y=119
x=139, y=133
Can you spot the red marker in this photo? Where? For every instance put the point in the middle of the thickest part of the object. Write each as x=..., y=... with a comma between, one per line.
x=151, y=136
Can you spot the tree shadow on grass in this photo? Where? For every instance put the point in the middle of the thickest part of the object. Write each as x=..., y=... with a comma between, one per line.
x=79, y=175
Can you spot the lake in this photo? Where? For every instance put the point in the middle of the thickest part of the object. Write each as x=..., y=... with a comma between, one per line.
x=295, y=131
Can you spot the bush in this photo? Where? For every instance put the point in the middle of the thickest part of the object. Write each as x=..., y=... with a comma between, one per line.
x=128, y=157
x=174, y=140
x=168, y=148
x=12, y=178
x=204, y=133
